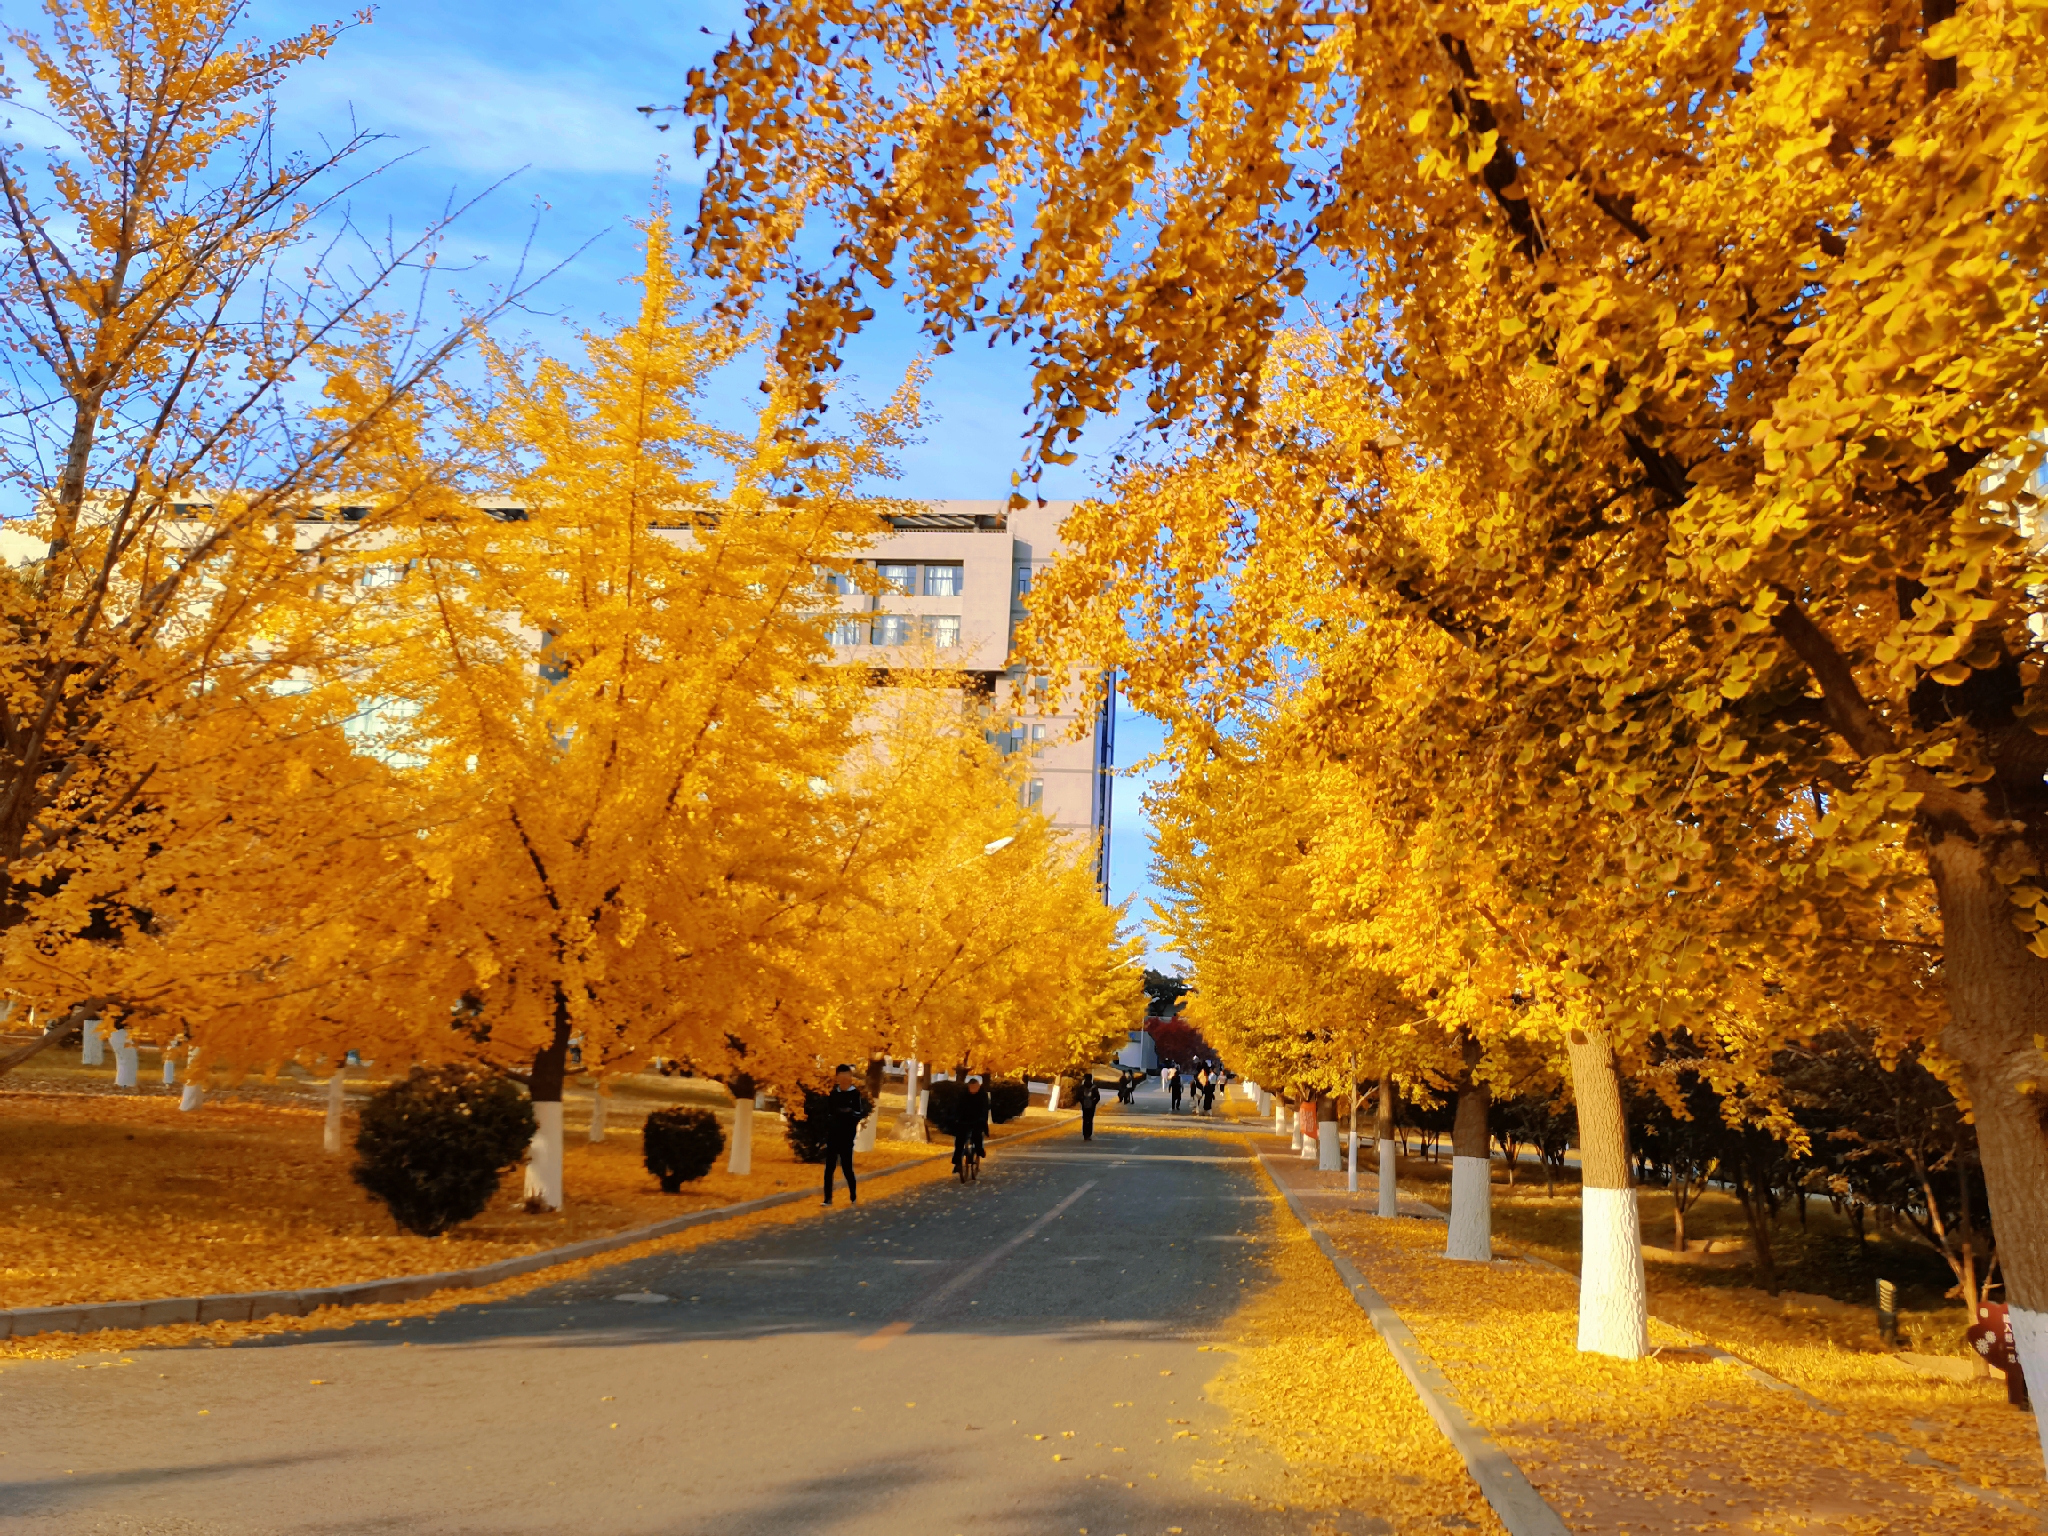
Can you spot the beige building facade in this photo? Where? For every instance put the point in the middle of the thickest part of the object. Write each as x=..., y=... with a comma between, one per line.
x=951, y=587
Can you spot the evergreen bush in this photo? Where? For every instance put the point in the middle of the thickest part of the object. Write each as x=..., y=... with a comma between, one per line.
x=434, y=1146
x=680, y=1146
x=1006, y=1101
x=806, y=1132
x=938, y=1113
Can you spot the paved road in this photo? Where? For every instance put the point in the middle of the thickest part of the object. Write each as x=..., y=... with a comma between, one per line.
x=890, y=1369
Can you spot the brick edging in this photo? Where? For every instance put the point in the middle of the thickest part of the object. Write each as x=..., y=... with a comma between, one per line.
x=248, y=1306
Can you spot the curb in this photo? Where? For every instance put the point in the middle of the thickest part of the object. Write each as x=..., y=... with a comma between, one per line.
x=250, y=1306
x=1523, y=1510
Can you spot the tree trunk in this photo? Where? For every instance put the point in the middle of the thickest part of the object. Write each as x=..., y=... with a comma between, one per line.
x=1471, y=1225
x=1328, y=1158
x=90, y=1052
x=1383, y=1133
x=1614, y=1314
x=170, y=1068
x=330, y=1133
x=1351, y=1170
x=544, y=1153
x=1755, y=1210
x=1998, y=1004
x=127, y=1061
x=741, y=1160
x=1305, y=1128
x=600, y=1105
x=1677, y=1217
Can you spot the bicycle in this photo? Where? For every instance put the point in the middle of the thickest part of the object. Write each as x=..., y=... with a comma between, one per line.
x=968, y=1169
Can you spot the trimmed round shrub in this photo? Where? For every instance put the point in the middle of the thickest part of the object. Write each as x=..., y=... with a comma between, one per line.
x=680, y=1146
x=938, y=1113
x=1006, y=1101
x=806, y=1131
x=434, y=1146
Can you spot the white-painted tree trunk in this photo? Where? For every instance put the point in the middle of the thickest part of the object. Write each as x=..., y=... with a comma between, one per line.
x=544, y=1155
x=864, y=1138
x=127, y=1061
x=1052, y=1100
x=1351, y=1170
x=1279, y=1118
x=330, y=1132
x=1471, y=1235
x=170, y=1067
x=1295, y=1129
x=1329, y=1159
x=924, y=1102
x=600, y=1105
x=2030, y=1339
x=192, y=1098
x=741, y=1160
x=907, y=1129
x=90, y=1052
x=1613, y=1300
x=1390, y=1192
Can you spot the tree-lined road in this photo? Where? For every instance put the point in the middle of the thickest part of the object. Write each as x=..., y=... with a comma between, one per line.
x=887, y=1370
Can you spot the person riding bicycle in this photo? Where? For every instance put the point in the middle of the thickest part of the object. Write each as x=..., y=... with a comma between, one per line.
x=970, y=1122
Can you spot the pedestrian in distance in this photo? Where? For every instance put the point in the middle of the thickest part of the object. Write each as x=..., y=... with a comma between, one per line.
x=970, y=1122
x=1173, y=1086
x=845, y=1107
x=1208, y=1091
x=1088, y=1096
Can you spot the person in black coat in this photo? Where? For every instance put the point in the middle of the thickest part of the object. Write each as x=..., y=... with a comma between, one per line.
x=844, y=1109
x=970, y=1120
x=1088, y=1096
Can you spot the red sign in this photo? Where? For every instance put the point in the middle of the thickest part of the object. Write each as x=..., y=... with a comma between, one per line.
x=1991, y=1336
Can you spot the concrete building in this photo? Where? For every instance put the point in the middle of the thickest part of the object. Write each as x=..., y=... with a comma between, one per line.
x=952, y=582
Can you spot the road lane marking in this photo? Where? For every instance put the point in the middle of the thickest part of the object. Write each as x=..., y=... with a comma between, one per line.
x=1119, y=1159
x=880, y=1338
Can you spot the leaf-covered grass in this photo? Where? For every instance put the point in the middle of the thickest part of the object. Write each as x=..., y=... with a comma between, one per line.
x=107, y=1197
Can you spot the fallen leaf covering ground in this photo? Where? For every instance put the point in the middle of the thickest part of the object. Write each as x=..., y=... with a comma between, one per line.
x=1314, y=1384
x=117, y=1198
x=110, y=1341
x=1677, y=1443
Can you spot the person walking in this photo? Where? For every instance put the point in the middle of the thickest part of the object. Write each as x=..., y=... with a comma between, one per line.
x=844, y=1109
x=970, y=1121
x=1173, y=1086
x=1209, y=1090
x=1089, y=1097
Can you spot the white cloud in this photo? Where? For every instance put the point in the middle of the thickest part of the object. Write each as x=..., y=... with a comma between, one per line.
x=472, y=116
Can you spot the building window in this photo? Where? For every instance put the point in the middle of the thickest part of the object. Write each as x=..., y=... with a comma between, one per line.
x=898, y=578
x=943, y=630
x=848, y=631
x=892, y=629
x=1034, y=791
x=835, y=581
x=1023, y=581
x=942, y=581
x=1037, y=735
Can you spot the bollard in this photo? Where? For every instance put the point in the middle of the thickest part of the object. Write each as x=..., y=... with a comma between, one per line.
x=1888, y=1312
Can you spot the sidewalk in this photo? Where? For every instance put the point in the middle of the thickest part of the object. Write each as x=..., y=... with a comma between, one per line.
x=1676, y=1442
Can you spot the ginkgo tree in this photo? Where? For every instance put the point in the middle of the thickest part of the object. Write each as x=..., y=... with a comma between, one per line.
x=614, y=703
x=983, y=941
x=1448, y=845
x=1727, y=314
x=173, y=289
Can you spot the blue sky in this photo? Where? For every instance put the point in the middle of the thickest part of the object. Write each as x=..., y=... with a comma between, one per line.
x=544, y=94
